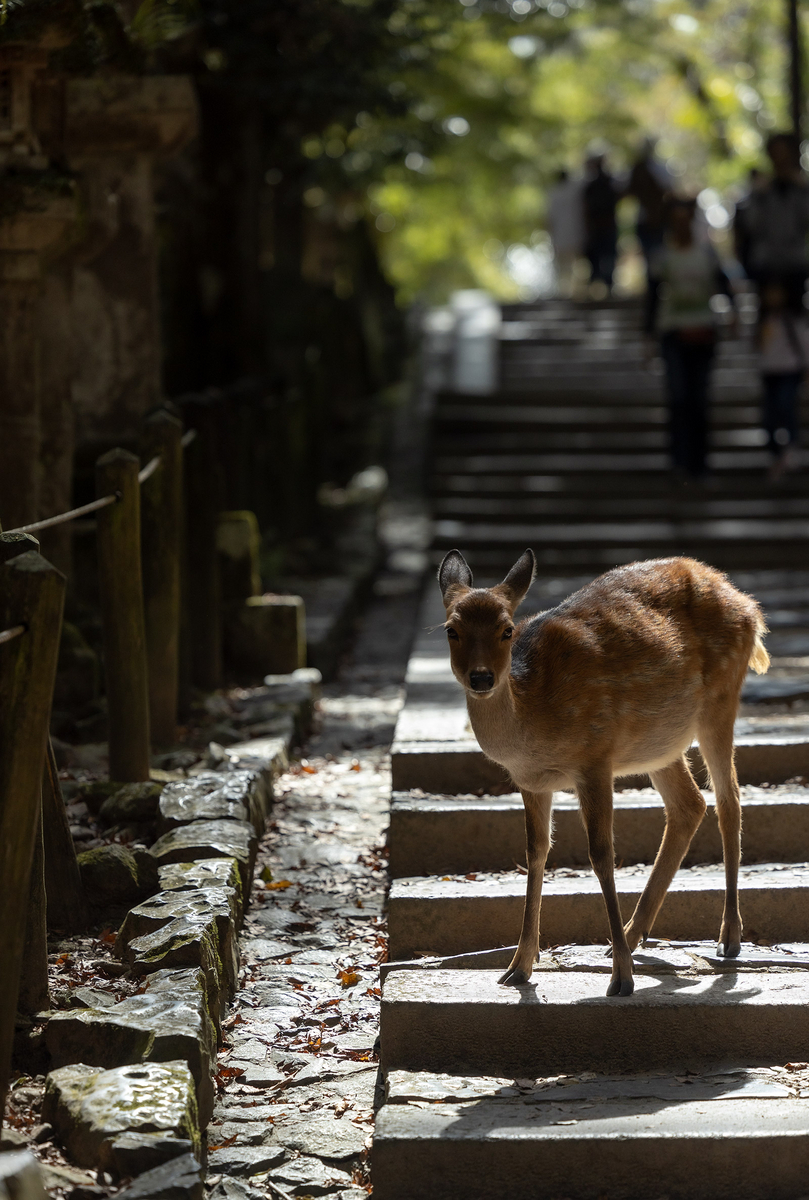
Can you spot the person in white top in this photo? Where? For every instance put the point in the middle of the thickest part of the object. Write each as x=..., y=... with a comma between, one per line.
x=783, y=348
x=684, y=275
x=565, y=220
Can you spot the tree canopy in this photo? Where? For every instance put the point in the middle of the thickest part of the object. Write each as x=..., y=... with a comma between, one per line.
x=445, y=120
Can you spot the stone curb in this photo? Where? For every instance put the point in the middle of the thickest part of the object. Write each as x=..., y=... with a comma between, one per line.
x=132, y=1087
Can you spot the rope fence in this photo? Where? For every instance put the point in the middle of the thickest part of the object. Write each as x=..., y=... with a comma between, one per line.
x=84, y=509
x=149, y=469
x=155, y=563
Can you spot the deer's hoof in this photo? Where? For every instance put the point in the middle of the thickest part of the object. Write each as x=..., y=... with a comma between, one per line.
x=514, y=977
x=729, y=949
x=621, y=987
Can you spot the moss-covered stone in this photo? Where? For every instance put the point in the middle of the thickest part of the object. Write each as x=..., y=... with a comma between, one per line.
x=131, y=803
x=109, y=875
x=126, y=1120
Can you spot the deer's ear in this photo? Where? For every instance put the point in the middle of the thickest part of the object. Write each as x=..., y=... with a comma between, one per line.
x=454, y=572
x=518, y=580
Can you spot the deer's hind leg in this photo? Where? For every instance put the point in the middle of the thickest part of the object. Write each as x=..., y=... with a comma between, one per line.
x=716, y=744
x=685, y=808
x=538, y=843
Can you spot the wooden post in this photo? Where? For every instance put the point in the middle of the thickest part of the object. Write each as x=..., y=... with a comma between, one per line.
x=67, y=910
x=124, y=635
x=32, y=594
x=202, y=588
x=33, y=994
x=63, y=884
x=161, y=537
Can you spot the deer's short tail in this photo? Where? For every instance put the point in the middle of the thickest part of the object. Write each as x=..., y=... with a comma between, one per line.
x=759, y=659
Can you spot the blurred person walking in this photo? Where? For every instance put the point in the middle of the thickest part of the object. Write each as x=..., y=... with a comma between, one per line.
x=782, y=340
x=650, y=182
x=565, y=220
x=774, y=223
x=742, y=242
x=600, y=198
x=684, y=273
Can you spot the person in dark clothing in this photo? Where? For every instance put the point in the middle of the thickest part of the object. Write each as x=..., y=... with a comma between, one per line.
x=774, y=223
x=650, y=183
x=600, y=198
x=683, y=276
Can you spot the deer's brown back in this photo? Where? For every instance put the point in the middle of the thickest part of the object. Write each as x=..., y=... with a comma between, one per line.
x=624, y=668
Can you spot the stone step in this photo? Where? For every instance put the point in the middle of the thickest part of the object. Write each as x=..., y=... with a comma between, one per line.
x=610, y=508
x=615, y=465
x=455, y=915
x=485, y=439
x=639, y=485
x=737, y=1135
x=578, y=416
x=441, y=835
x=661, y=536
x=498, y=557
x=561, y=1021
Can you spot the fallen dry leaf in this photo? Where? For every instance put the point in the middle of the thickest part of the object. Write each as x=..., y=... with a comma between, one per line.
x=227, y=1142
x=279, y=885
x=348, y=978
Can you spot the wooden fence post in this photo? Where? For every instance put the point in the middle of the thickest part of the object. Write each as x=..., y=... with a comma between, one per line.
x=161, y=538
x=202, y=587
x=124, y=635
x=33, y=992
x=62, y=876
x=32, y=594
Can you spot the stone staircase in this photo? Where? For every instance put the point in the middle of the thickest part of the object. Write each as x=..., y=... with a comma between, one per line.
x=697, y=1086
x=570, y=455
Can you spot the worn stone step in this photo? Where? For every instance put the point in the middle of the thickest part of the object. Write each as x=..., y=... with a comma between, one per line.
x=497, y=558
x=613, y=464
x=457, y=914
x=465, y=1022
x=642, y=485
x=483, y=438
x=577, y=416
x=739, y=1134
x=440, y=835
x=657, y=533
x=567, y=507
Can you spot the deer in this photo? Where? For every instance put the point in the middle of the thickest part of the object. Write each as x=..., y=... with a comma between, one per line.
x=619, y=679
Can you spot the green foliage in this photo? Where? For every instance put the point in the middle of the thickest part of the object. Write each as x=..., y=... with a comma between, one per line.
x=706, y=78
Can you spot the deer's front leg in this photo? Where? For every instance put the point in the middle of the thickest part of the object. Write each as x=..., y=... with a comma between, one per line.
x=538, y=843
x=595, y=798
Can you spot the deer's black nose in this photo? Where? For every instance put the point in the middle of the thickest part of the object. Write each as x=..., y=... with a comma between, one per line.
x=482, y=681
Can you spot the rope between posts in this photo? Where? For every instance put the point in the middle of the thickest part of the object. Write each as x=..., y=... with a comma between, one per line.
x=104, y=501
x=8, y=635
x=93, y=506
x=149, y=469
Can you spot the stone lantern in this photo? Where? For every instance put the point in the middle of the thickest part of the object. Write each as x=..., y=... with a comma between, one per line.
x=20, y=67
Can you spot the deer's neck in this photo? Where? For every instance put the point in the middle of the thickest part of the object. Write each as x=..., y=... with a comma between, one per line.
x=494, y=721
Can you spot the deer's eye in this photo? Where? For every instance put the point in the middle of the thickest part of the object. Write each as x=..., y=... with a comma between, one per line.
x=452, y=635
x=507, y=634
